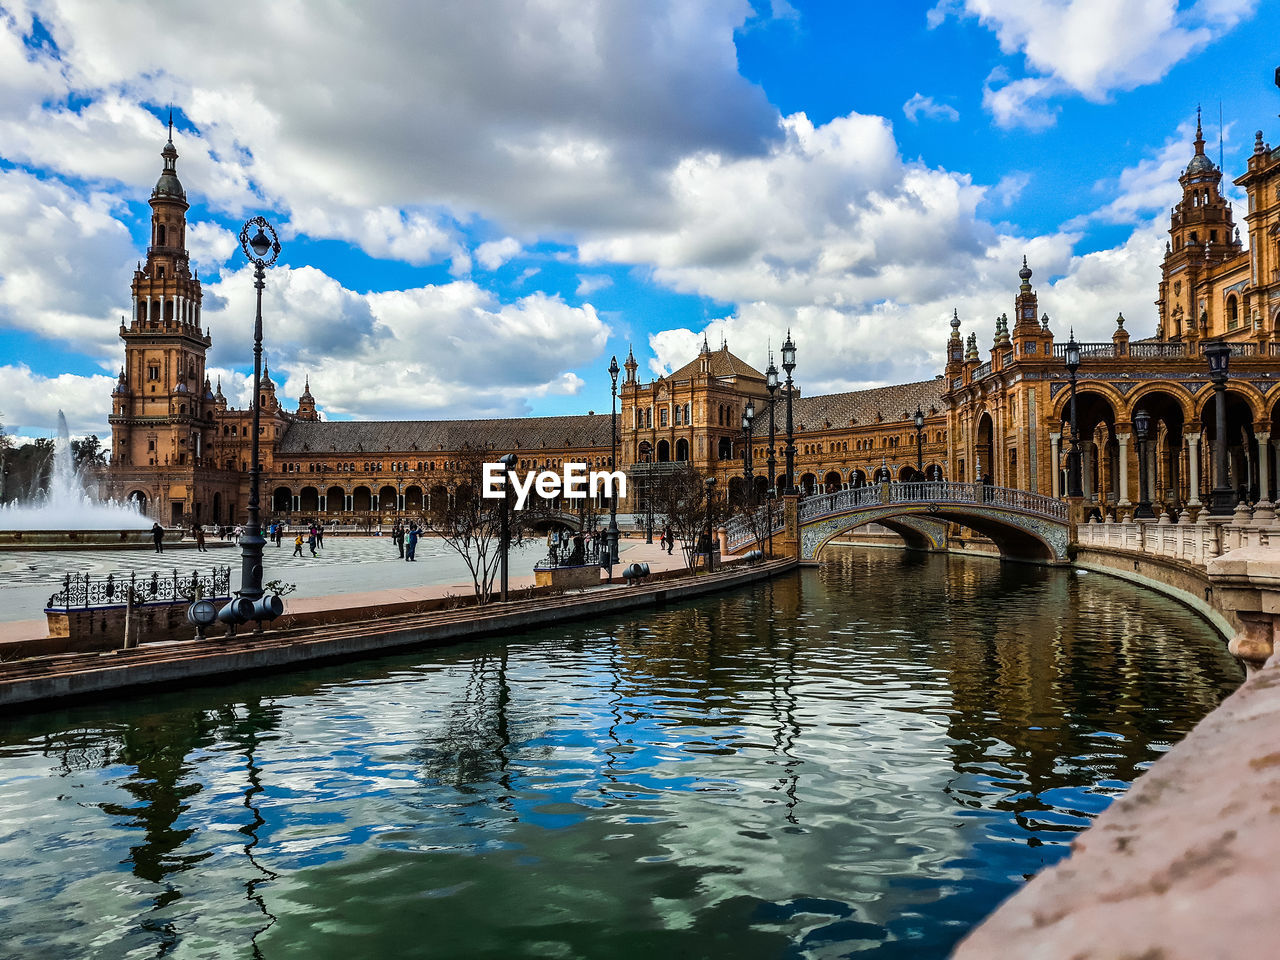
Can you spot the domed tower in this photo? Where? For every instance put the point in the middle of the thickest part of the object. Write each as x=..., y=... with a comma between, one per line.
x=307, y=404
x=219, y=400
x=631, y=366
x=164, y=422
x=1202, y=235
x=267, y=397
x=1031, y=338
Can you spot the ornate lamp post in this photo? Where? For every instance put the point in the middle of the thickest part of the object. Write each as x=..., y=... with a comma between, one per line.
x=1074, y=486
x=919, y=420
x=789, y=365
x=613, y=459
x=262, y=250
x=1142, y=428
x=508, y=464
x=1222, y=499
x=771, y=384
x=710, y=483
x=748, y=437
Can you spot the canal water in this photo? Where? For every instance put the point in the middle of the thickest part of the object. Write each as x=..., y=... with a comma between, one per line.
x=857, y=760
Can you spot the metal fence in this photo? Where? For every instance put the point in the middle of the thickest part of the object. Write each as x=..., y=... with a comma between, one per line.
x=82, y=591
x=570, y=554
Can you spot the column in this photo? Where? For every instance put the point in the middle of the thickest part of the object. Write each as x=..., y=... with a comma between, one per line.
x=1055, y=441
x=1087, y=457
x=1122, y=441
x=1264, y=478
x=400, y=502
x=347, y=502
x=1193, y=469
x=324, y=503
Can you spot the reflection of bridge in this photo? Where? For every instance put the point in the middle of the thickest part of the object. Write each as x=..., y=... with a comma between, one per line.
x=1021, y=524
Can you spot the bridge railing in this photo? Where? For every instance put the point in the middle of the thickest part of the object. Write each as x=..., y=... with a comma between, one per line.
x=739, y=532
x=932, y=491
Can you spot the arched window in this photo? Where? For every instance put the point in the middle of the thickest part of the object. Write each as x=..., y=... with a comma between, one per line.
x=1233, y=313
x=686, y=414
x=662, y=417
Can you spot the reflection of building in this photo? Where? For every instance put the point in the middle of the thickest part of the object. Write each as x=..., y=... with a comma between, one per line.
x=1007, y=411
x=178, y=446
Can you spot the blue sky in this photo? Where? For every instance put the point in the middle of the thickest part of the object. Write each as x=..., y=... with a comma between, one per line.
x=481, y=203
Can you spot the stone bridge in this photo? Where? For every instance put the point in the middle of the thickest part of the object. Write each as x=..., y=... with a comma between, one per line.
x=1023, y=525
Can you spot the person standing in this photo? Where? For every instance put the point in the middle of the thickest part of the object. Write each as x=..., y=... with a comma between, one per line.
x=157, y=536
x=670, y=538
x=320, y=534
x=200, y=547
x=413, y=542
x=397, y=537
x=297, y=545
x=311, y=541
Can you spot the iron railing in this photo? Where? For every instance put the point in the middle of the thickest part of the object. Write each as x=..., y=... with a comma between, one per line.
x=1104, y=349
x=739, y=531
x=932, y=491
x=570, y=554
x=82, y=591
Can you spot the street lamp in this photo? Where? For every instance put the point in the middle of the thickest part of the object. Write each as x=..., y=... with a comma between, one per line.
x=919, y=418
x=710, y=483
x=1222, y=499
x=771, y=384
x=748, y=437
x=1142, y=427
x=262, y=249
x=613, y=460
x=504, y=537
x=789, y=364
x=1074, y=486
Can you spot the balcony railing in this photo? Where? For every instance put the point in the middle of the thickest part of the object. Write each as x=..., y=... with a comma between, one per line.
x=982, y=370
x=1157, y=350
x=1104, y=350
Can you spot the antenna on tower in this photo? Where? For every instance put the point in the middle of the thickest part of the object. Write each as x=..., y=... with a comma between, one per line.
x=1220, y=165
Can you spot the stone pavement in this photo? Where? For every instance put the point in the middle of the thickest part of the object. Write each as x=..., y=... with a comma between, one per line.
x=350, y=571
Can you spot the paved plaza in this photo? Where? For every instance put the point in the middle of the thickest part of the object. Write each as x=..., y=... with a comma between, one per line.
x=346, y=565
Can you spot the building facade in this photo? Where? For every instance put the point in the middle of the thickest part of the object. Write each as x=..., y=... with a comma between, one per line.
x=1000, y=415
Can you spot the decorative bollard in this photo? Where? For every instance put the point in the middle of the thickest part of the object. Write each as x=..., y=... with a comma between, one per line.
x=236, y=612
x=203, y=614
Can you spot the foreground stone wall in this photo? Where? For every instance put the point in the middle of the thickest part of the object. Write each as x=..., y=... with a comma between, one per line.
x=1182, y=867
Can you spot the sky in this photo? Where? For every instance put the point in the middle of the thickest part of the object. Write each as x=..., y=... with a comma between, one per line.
x=479, y=204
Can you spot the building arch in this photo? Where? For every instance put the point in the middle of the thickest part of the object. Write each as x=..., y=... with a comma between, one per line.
x=335, y=498
x=682, y=450
x=282, y=500
x=664, y=451
x=388, y=498
x=831, y=482
x=644, y=452
x=857, y=478
x=906, y=473
x=413, y=498
x=362, y=498
x=309, y=500
x=808, y=483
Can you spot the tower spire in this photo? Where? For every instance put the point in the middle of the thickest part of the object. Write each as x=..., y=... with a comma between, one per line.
x=1199, y=134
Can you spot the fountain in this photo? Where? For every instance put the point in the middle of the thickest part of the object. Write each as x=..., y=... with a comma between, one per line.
x=65, y=516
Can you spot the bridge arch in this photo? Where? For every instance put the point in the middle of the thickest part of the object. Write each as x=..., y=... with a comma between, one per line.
x=1022, y=525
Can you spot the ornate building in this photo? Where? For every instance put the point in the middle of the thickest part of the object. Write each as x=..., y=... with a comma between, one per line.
x=180, y=449
x=1009, y=410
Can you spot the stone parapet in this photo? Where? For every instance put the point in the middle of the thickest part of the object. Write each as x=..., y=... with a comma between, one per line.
x=1182, y=867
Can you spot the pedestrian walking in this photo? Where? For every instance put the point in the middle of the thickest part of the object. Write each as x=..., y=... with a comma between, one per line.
x=311, y=541
x=200, y=547
x=297, y=544
x=320, y=535
x=157, y=536
x=670, y=538
x=239, y=532
x=412, y=545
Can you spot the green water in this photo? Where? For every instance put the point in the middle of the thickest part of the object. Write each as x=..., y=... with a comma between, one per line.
x=862, y=759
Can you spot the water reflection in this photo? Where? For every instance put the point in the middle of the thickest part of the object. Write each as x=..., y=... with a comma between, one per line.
x=860, y=759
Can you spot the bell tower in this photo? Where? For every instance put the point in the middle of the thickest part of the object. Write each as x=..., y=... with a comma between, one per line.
x=1202, y=235
x=161, y=414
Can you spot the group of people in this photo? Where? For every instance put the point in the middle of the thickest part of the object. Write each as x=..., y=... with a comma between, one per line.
x=314, y=539
x=406, y=539
x=668, y=539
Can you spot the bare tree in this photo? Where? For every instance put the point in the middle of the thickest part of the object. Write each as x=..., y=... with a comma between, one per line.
x=758, y=513
x=681, y=500
x=471, y=525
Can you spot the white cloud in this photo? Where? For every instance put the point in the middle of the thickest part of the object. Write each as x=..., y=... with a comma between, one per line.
x=1010, y=187
x=592, y=282
x=450, y=350
x=65, y=263
x=210, y=245
x=495, y=253
x=1091, y=47
x=933, y=110
x=29, y=402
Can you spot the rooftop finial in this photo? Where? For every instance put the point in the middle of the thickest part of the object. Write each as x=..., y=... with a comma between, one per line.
x=1199, y=133
x=171, y=124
